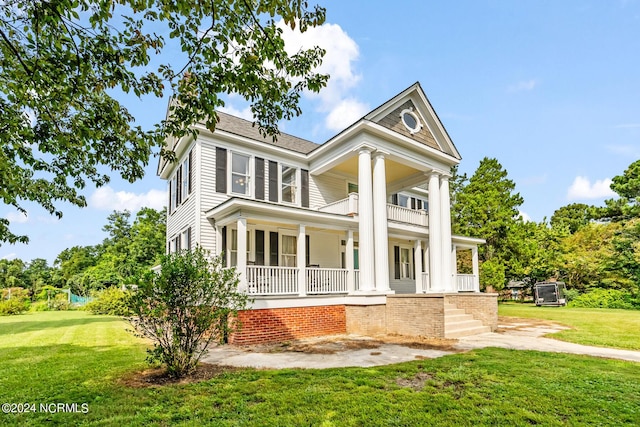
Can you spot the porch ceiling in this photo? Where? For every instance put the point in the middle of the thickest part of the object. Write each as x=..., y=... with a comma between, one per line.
x=394, y=170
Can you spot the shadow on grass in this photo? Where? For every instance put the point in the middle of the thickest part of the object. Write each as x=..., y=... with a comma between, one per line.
x=21, y=324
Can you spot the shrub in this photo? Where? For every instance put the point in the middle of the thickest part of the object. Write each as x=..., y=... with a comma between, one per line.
x=111, y=301
x=191, y=302
x=571, y=294
x=604, y=298
x=13, y=306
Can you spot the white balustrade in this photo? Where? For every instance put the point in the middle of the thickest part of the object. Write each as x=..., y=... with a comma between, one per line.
x=326, y=280
x=466, y=283
x=348, y=206
x=410, y=216
x=426, y=284
x=356, y=279
x=263, y=280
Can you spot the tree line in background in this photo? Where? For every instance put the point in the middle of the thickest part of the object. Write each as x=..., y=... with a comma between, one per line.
x=595, y=250
x=133, y=246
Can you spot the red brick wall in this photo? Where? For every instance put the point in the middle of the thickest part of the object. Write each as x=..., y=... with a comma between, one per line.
x=282, y=324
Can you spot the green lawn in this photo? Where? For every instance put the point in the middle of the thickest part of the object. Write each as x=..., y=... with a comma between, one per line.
x=73, y=357
x=590, y=326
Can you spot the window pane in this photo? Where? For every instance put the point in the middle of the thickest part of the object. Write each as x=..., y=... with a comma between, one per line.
x=403, y=200
x=289, y=187
x=288, y=175
x=234, y=240
x=240, y=164
x=239, y=184
x=352, y=188
x=289, y=194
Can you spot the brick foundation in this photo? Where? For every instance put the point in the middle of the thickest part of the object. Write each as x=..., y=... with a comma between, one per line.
x=282, y=324
x=483, y=306
x=415, y=315
x=366, y=319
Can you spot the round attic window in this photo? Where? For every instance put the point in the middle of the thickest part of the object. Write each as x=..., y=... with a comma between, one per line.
x=410, y=121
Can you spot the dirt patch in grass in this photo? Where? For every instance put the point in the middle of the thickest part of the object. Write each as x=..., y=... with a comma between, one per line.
x=507, y=323
x=339, y=343
x=158, y=376
x=417, y=382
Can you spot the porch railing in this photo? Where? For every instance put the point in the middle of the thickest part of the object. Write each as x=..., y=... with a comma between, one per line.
x=466, y=282
x=348, y=206
x=410, y=216
x=326, y=280
x=263, y=280
x=356, y=279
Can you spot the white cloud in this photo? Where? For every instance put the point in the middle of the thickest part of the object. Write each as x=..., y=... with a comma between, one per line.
x=523, y=86
x=10, y=256
x=341, y=54
x=245, y=113
x=345, y=113
x=17, y=217
x=625, y=150
x=582, y=188
x=525, y=217
x=627, y=126
x=105, y=198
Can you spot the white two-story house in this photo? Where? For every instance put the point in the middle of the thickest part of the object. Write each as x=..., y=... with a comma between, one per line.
x=352, y=235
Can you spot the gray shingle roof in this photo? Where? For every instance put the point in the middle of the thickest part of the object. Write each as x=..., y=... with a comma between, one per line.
x=242, y=127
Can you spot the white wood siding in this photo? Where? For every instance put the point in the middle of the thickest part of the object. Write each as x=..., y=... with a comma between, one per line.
x=325, y=189
x=208, y=195
x=183, y=216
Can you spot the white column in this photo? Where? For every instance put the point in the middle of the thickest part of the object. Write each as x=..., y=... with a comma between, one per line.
x=445, y=230
x=380, y=232
x=426, y=282
x=301, y=260
x=219, y=247
x=365, y=216
x=454, y=267
x=418, y=267
x=349, y=263
x=476, y=268
x=435, y=236
x=241, y=267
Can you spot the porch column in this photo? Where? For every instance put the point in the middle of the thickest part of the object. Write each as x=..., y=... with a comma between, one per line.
x=427, y=279
x=417, y=250
x=349, y=263
x=454, y=267
x=301, y=260
x=445, y=230
x=380, y=232
x=476, y=269
x=435, y=236
x=219, y=247
x=365, y=217
x=241, y=267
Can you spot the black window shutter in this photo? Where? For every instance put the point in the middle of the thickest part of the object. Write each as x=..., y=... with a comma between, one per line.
x=259, y=178
x=169, y=204
x=307, y=247
x=190, y=177
x=394, y=199
x=259, y=247
x=273, y=248
x=413, y=259
x=273, y=181
x=188, y=239
x=223, y=249
x=221, y=170
x=396, y=261
x=304, y=183
x=413, y=203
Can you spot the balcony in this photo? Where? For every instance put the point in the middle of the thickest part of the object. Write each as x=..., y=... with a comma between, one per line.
x=349, y=206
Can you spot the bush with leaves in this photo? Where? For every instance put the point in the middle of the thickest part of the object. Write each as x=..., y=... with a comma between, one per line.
x=193, y=301
x=111, y=301
x=605, y=298
x=14, y=301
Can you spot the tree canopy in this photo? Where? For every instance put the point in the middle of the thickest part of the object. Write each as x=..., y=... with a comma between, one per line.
x=64, y=63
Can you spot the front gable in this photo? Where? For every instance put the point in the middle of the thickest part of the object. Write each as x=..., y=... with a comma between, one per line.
x=428, y=131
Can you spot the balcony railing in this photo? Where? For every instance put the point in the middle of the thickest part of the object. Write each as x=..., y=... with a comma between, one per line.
x=409, y=216
x=326, y=280
x=349, y=206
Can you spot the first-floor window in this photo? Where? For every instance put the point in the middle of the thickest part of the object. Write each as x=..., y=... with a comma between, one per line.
x=186, y=239
x=405, y=265
x=289, y=251
x=233, y=252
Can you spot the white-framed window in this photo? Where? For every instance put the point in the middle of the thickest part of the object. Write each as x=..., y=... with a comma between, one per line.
x=240, y=173
x=289, y=184
x=186, y=239
x=174, y=193
x=288, y=250
x=233, y=251
x=405, y=263
x=410, y=120
x=186, y=177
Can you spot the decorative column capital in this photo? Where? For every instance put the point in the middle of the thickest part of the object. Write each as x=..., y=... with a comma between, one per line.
x=364, y=149
x=380, y=154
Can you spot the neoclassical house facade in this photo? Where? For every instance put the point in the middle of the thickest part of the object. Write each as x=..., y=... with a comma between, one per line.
x=349, y=236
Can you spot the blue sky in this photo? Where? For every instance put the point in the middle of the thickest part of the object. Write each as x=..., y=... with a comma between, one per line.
x=551, y=89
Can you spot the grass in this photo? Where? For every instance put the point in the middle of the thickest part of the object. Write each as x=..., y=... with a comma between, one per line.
x=590, y=326
x=73, y=357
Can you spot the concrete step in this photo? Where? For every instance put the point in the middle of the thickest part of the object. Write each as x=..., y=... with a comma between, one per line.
x=454, y=311
x=456, y=318
x=461, y=324
x=467, y=332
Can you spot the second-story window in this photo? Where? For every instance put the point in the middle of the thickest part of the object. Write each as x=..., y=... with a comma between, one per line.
x=240, y=174
x=289, y=184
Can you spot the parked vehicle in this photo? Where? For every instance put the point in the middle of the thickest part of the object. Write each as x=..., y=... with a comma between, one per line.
x=549, y=293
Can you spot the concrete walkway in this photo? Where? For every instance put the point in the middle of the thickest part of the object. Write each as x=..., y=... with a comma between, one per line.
x=315, y=354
